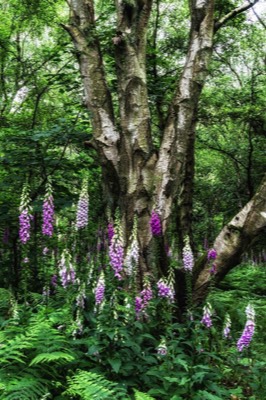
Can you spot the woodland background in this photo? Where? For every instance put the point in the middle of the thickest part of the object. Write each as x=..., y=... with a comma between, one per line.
x=55, y=345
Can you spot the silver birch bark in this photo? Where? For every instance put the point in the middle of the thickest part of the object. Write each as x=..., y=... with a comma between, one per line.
x=137, y=177
x=234, y=239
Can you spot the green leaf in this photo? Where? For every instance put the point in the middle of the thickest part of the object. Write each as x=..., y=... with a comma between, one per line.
x=184, y=381
x=115, y=363
x=57, y=356
x=142, y=396
x=172, y=380
x=181, y=362
x=208, y=396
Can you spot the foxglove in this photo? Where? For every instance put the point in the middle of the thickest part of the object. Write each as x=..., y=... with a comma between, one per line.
x=207, y=314
x=155, y=224
x=249, y=329
x=227, y=327
x=45, y=251
x=67, y=272
x=54, y=280
x=146, y=294
x=142, y=301
x=83, y=206
x=99, y=290
x=165, y=290
x=25, y=215
x=81, y=297
x=212, y=254
x=48, y=211
x=132, y=257
x=162, y=348
x=138, y=305
x=188, y=259
x=110, y=232
x=116, y=250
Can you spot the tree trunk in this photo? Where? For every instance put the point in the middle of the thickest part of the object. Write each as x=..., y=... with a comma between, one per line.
x=137, y=177
x=185, y=201
x=234, y=239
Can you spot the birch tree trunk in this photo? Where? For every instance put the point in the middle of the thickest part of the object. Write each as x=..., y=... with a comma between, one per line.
x=138, y=178
x=234, y=239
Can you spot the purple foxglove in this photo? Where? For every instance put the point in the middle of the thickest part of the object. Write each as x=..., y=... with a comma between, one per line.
x=213, y=269
x=48, y=216
x=54, y=280
x=66, y=269
x=249, y=329
x=142, y=301
x=116, y=251
x=46, y=291
x=110, y=232
x=168, y=250
x=45, y=251
x=99, y=290
x=24, y=226
x=138, y=305
x=48, y=210
x=83, y=206
x=212, y=254
x=81, y=297
x=227, y=327
x=155, y=224
x=162, y=348
x=188, y=259
x=207, y=314
x=25, y=215
x=146, y=294
x=165, y=290
x=132, y=257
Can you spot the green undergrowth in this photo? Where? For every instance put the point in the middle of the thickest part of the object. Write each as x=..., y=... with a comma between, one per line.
x=43, y=355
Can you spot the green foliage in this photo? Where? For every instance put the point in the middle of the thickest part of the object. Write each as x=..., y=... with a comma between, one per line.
x=114, y=355
x=88, y=386
x=26, y=387
x=30, y=357
x=142, y=396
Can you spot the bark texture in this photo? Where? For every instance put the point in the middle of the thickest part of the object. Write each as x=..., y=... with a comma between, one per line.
x=234, y=239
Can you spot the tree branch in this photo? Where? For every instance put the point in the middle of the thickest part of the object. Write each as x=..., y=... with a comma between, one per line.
x=98, y=98
x=181, y=119
x=234, y=239
x=232, y=14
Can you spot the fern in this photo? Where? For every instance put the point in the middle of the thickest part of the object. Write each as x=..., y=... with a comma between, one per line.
x=90, y=386
x=40, y=349
x=12, y=351
x=24, y=387
x=57, y=357
x=142, y=396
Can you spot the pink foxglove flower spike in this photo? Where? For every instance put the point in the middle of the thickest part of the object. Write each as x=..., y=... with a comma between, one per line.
x=83, y=206
x=25, y=216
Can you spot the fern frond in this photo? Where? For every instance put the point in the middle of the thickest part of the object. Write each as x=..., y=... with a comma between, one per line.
x=46, y=338
x=13, y=350
x=56, y=357
x=23, y=388
x=142, y=396
x=91, y=386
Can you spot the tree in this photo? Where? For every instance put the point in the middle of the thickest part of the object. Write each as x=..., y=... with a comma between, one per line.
x=138, y=176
